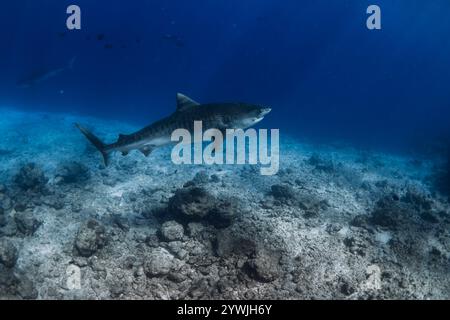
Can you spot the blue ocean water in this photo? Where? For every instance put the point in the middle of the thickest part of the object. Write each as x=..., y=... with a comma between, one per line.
x=324, y=73
x=357, y=207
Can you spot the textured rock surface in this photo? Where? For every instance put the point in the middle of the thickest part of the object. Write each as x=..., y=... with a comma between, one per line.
x=192, y=202
x=171, y=231
x=26, y=222
x=8, y=253
x=335, y=223
x=90, y=238
x=72, y=172
x=30, y=177
x=158, y=263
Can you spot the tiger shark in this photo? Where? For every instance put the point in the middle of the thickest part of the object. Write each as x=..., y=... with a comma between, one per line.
x=219, y=116
x=37, y=77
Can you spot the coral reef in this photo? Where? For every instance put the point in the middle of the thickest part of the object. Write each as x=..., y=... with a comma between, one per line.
x=72, y=172
x=333, y=224
x=30, y=177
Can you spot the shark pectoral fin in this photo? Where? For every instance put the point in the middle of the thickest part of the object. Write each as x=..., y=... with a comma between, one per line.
x=184, y=102
x=147, y=150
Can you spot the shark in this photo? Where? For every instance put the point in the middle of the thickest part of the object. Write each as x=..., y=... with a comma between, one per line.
x=221, y=116
x=37, y=77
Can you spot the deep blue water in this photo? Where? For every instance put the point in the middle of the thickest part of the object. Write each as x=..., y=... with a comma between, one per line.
x=314, y=61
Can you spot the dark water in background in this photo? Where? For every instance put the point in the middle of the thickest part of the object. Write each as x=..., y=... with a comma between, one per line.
x=325, y=75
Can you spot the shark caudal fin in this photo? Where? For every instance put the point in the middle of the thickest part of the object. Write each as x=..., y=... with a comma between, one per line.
x=96, y=142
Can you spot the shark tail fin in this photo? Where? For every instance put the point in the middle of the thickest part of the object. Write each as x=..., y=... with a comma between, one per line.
x=96, y=142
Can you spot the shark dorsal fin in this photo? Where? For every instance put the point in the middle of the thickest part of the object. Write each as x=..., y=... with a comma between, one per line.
x=184, y=102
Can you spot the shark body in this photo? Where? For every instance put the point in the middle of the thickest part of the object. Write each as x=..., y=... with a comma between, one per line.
x=220, y=116
x=43, y=75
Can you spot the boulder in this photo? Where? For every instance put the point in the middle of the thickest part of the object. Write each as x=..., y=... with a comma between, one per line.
x=72, y=172
x=223, y=213
x=283, y=192
x=159, y=263
x=26, y=222
x=197, y=204
x=30, y=177
x=192, y=202
x=3, y=219
x=90, y=238
x=171, y=231
x=8, y=253
x=264, y=267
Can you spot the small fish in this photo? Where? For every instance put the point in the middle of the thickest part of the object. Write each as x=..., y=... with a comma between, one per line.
x=100, y=37
x=218, y=115
x=175, y=39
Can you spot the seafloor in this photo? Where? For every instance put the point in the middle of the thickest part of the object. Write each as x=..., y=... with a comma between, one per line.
x=336, y=222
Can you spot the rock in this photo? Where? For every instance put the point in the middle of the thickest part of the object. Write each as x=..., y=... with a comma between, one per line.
x=356, y=245
x=215, y=178
x=5, y=202
x=195, y=229
x=192, y=202
x=73, y=280
x=159, y=263
x=442, y=178
x=359, y=221
x=171, y=231
x=283, y=192
x=26, y=222
x=121, y=222
x=3, y=220
x=72, y=172
x=176, y=248
x=230, y=243
x=54, y=203
x=388, y=213
x=177, y=277
x=320, y=164
x=223, y=213
x=264, y=267
x=347, y=289
x=197, y=204
x=417, y=200
x=30, y=177
x=8, y=253
x=311, y=214
x=152, y=240
x=26, y=289
x=429, y=217
x=333, y=228
x=20, y=207
x=90, y=238
x=201, y=178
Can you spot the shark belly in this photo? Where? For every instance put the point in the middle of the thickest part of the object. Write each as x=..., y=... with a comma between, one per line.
x=145, y=144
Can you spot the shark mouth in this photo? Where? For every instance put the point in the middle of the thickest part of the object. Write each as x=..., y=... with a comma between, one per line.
x=265, y=111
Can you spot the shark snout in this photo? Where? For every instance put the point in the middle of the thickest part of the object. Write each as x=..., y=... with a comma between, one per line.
x=265, y=111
